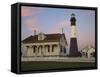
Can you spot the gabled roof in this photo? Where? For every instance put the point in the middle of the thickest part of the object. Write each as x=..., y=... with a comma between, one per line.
x=48, y=38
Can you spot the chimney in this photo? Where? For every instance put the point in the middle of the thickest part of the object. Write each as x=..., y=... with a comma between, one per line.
x=34, y=32
x=62, y=30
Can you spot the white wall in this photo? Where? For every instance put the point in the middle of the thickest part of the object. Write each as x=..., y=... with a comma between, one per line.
x=5, y=39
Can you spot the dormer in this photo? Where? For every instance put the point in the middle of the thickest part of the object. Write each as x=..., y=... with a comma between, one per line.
x=41, y=36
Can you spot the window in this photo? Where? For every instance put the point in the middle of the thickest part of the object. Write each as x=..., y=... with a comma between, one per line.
x=64, y=50
x=47, y=48
x=40, y=49
x=34, y=49
x=27, y=46
x=54, y=47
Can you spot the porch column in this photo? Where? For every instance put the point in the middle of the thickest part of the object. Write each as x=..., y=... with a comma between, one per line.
x=30, y=51
x=27, y=49
x=44, y=53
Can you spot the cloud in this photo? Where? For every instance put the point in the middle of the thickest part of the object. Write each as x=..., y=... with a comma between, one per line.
x=31, y=24
x=30, y=14
x=25, y=11
x=30, y=11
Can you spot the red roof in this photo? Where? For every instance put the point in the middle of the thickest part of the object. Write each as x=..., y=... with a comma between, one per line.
x=48, y=38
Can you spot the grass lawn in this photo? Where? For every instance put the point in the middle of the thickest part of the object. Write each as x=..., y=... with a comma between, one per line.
x=25, y=66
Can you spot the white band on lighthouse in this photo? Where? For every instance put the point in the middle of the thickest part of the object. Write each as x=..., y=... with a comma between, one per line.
x=73, y=31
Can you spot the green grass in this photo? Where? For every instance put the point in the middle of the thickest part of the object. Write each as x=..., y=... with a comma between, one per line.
x=25, y=66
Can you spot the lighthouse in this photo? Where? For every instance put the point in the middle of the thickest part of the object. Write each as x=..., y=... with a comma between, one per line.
x=73, y=37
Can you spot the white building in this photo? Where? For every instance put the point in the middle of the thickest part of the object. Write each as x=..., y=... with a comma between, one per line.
x=44, y=45
x=88, y=51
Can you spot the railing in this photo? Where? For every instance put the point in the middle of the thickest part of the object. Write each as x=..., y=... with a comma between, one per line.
x=61, y=59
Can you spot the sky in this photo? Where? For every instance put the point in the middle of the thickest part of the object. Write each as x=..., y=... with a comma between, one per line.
x=52, y=20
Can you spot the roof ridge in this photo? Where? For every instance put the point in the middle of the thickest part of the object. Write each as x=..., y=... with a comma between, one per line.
x=49, y=38
x=48, y=34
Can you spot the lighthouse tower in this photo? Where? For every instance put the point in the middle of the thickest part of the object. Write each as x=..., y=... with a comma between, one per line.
x=73, y=37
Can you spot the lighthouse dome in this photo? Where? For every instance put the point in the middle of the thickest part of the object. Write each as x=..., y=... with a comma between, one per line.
x=73, y=19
